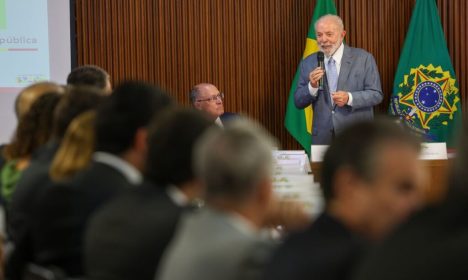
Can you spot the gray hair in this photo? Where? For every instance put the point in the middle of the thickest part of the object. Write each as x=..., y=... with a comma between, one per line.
x=193, y=95
x=233, y=161
x=336, y=19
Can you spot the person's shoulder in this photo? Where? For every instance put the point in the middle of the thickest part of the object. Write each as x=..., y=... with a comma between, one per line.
x=357, y=51
x=310, y=58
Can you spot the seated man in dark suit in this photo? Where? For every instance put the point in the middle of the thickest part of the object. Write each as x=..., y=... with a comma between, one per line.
x=433, y=244
x=207, y=98
x=128, y=236
x=221, y=240
x=35, y=178
x=63, y=210
x=370, y=184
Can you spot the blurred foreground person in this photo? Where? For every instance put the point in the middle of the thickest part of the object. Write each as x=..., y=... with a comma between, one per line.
x=35, y=178
x=221, y=240
x=62, y=211
x=127, y=237
x=433, y=244
x=34, y=130
x=370, y=184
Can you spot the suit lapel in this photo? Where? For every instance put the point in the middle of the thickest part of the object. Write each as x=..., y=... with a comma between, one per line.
x=346, y=61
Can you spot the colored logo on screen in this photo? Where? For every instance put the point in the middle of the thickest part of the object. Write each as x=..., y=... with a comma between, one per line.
x=3, y=19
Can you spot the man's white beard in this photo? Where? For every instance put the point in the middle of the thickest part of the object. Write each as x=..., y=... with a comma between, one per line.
x=332, y=50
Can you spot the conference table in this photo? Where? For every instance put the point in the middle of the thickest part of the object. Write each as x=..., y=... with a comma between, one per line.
x=437, y=172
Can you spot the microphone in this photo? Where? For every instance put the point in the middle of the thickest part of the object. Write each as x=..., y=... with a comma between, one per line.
x=321, y=64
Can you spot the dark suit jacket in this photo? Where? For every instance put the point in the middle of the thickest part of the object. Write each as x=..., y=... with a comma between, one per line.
x=433, y=244
x=127, y=237
x=325, y=251
x=227, y=117
x=34, y=179
x=62, y=213
x=358, y=75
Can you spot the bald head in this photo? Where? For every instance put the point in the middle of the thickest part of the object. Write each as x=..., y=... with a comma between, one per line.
x=28, y=95
x=206, y=97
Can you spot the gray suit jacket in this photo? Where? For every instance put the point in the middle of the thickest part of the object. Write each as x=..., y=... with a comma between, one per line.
x=207, y=246
x=358, y=75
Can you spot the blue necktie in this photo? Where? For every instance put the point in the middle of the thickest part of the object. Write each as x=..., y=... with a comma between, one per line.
x=332, y=75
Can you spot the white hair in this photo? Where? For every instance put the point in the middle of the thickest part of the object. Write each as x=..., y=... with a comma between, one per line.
x=232, y=162
x=336, y=19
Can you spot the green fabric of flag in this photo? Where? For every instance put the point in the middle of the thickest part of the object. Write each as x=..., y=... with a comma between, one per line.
x=425, y=90
x=299, y=121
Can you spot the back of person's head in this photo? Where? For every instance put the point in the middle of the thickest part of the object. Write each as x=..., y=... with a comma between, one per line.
x=76, y=148
x=28, y=95
x=171, y=140
x=358, y=149
x=89, y=75
x=75, y=101
x=371, y=176
x=34, y=128
x=131, y=107
x=233, y=162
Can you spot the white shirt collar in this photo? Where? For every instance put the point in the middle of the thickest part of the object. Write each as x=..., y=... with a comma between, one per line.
x=241, y=224
x=129, y=171
x=337, y=56
x=177, y=196
x=219, y=122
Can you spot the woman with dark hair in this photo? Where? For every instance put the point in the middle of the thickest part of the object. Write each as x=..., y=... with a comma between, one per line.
x=34, y=130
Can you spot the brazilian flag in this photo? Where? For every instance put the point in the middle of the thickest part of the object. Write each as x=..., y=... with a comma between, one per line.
x=425, y=91
x=299, y=121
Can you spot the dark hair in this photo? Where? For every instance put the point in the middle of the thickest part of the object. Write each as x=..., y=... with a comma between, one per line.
x=457, y=179
x=171, y=141
x=75, y=101
x=88, y=75
x=357, y=148
x=34, y=128
x=131, y=106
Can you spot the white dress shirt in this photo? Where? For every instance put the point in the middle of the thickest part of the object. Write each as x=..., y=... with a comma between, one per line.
x=129, y=171
x=337, y=56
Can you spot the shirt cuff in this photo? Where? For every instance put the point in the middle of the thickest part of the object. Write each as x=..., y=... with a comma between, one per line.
x=350, y=99
x=313, y=91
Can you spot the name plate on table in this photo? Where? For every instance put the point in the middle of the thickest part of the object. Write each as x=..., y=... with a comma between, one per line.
x=433, y=151
x=317, y=152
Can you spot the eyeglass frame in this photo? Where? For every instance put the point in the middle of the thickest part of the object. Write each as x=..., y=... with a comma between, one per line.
x=219, y=96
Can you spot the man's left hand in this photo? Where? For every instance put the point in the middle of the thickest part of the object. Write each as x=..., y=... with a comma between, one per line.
x=340, y=98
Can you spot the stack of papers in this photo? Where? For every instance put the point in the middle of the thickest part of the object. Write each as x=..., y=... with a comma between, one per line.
x=293, y=181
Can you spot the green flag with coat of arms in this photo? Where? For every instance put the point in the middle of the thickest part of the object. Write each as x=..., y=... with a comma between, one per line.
x=425, y=90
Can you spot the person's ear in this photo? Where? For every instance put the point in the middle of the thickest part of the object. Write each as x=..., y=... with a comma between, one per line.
x=345, y=184
x=197, y=105
x=141, y=138
x=265, y=192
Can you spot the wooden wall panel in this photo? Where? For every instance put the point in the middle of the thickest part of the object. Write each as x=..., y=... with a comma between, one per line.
x=248, y=48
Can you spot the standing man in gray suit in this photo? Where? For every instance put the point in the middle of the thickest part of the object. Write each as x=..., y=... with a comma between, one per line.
x=221, y=241
x=344, y=89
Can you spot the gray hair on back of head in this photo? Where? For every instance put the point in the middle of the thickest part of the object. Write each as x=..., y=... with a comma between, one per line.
x=233, y=161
